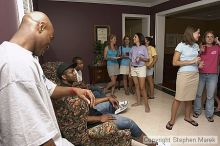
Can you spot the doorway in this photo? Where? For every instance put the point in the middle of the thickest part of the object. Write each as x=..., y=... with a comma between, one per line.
x=133, y=23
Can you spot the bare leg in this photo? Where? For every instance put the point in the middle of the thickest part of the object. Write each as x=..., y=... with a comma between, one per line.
x=151, y=85
x=125, y=80
x=113, y=87
x=137, y=89
x=218, y=102
x=111, y=84
x=131, y=89
x=188, y=110
x=147, y=87
x=174, y=109
x=144, y=93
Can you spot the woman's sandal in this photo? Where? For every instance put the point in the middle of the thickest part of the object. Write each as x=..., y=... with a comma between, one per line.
x=169, y=126
x=195, y=115
x=126, y=92
x=194, y=123
x=210, y=119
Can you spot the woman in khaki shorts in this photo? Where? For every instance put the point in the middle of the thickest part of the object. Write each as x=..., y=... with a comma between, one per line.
x=139, y=56
x=186, y=56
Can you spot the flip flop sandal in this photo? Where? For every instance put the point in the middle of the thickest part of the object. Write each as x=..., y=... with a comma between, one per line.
x=194, y=123
x=195, y=115
x=210, y=119
x=169, y=126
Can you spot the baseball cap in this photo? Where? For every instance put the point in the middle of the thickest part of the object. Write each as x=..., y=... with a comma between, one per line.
x=62, y=67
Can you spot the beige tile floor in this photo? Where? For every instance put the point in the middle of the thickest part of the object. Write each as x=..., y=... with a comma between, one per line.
x=153, y=123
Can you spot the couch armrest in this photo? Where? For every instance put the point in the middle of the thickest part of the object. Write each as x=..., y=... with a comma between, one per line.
x=71, y=115
x=103, y=130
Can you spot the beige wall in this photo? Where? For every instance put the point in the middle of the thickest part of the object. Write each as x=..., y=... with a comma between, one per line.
x=177, y=26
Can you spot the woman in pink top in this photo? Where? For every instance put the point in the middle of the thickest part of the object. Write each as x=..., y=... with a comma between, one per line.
x=210, y=54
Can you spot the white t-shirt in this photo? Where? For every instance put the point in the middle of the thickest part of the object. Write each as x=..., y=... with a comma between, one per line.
x=79, y=75
x=26, y=113
x=188, y=53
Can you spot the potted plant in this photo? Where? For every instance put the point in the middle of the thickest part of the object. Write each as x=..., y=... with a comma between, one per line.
x=99, y=48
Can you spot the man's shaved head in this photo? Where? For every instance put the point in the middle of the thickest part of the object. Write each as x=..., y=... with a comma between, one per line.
x=35, y=33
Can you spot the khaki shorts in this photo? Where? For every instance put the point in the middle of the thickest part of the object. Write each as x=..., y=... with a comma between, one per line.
x=124, y=70
x=138, y=71
x=113, y=70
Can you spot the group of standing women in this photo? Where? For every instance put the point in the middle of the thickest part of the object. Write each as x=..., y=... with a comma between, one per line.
x=136, y=63
x=198, y=68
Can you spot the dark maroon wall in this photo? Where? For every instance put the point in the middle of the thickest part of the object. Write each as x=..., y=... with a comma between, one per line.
x=165, y=6
x=74, y=23
x=74, y=27
x=8, y=17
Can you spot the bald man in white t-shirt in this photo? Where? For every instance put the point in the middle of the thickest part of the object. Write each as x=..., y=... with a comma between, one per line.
x=26, y=113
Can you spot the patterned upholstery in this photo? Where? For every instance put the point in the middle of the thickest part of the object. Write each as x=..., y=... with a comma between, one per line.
x=71, y=114
x=49, y=69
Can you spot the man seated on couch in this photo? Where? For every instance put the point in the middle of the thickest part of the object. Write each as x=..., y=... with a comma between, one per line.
x=78, y=63
x=97, y=91
x=104, y=108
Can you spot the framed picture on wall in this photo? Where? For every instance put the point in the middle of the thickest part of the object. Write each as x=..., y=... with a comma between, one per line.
x=101, y=32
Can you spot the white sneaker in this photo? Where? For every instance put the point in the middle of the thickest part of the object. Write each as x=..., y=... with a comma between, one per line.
x=123, y=105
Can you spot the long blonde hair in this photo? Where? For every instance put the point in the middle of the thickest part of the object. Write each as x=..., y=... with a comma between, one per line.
x=110, y=37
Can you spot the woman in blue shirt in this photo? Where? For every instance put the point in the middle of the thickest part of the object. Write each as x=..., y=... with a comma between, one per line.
x=124, y=64
x=186, y=56
x=111, y=55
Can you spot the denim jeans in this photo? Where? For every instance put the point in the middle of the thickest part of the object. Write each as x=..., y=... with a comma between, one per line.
x=210, y=82
x=97, y=91
x=121, y=122
x=105, y=108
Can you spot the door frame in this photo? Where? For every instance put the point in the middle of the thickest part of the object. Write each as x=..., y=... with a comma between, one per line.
x=146, y=17
x=160, y=34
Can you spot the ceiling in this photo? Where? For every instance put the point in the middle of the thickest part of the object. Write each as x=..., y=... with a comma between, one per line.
x=207, y=12
x=142, y=3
